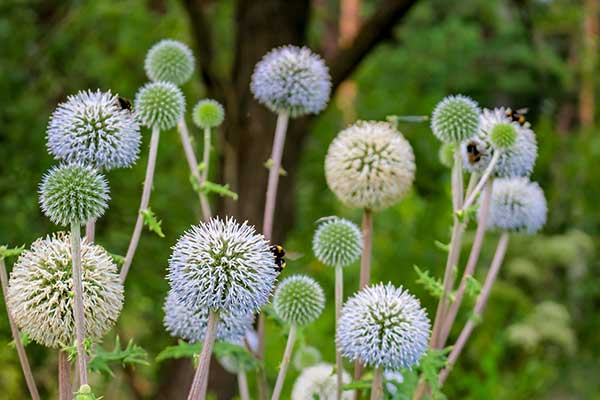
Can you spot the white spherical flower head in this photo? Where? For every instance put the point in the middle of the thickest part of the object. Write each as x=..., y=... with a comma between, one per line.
x=293, y=80
x=169, y=61
x=94, y=128
x=222, y=266
x=370, y=165
x=73, y=193
x=190, y=324
x=337, y=242
x=208, y=113
x=40, y=292
x=320, y=382
x=517, y=160
x=517, y=205
x=299, y=300
x=159, y=105
x=383, y=326
x=455, y=119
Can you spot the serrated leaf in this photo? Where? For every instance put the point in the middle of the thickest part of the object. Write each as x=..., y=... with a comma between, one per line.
x=431, y=284
x=472, y=286
x=24, y=337
x=221, y=190
x=243, y=358
x=153, y=223
x=6, y=252
x=132, y=354
x=118, y=259
x=430, y=365
x=182, y=349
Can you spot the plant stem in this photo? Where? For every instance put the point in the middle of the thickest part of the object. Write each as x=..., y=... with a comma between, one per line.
x=78, y=306
x=377, y=384
x=339, y=299
x=243, y=385
x=17, y=337
x=90, y=230
x=200, y=383
x=479, y=305
x=139, y=224
x=285, y=361
x=64, y=377
x=482, y=181
x=206, y=154
x=471, y=263
x=190, y=156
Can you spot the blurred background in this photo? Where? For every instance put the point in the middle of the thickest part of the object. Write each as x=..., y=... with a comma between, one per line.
x=539, y=338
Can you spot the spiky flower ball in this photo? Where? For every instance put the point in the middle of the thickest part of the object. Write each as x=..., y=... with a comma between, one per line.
x=370, y=165
x=190, y=324
x=503, y=136
x=40, y=291
x=93, y=128
x=222, y=266
x=517, y=205
x=319, y=382
x=159, y=105
x=73, y=193
x=293, y=80
x=337, y=242
x=383, y=326
x=208, y=113
x=299, y=300
x=517, y=160
x=455, y=119
x=169, y=61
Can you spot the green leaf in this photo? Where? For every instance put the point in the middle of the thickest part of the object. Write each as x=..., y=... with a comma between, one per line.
x=243, y=358
x=118, y=259
x=473, y=287
x=270, y=164
x=130, y=355
x=431, y=284
x=442, y=246
x=182, y=349
x=24, y=337
x=431, y=365
x=85, y=393
x=395, y=119
x=153, y=224
x=361, y=385
x=221, y=190
x=6, y=252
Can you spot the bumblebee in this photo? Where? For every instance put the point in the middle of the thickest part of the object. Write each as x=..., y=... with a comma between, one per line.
x=278, y=254
x=473, y=153
x=124, y=103
x=517, y=115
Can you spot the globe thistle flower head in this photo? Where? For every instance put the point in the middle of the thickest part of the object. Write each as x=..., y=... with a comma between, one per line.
x=299, y=300
x=293, y=80
x=73, y=193
x=159, y=105
x=446, y=154
x=190, y=324
x=319, y=382
x=337, y=242
x=455, y=119
x=92, y=128
x=169, y=61
x=40, y=293
x=503, y=136
x=516, y=160
x=370, y=165
x=383, y=326
x=224, y=266
x=208, y=113
x=517, y=205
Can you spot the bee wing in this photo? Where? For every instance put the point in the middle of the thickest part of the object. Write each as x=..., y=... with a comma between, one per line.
x=523, y=110
x=294, y=255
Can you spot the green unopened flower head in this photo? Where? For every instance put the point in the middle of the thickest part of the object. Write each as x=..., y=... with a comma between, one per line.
x=503, y=136
x=337, y=242
x=169, y=61
x=446, y=154
x=299, y=300
x=455, y=119
x=159, y=105
x=73, y=193
x=306, y=356
x=208, y=113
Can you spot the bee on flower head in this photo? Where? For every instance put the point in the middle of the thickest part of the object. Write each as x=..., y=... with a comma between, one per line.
x=518, y=116
x=279, y=254
x=124, y=103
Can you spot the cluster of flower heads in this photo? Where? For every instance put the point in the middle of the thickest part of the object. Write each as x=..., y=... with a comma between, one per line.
x=190, y=324
x=93, y=128
x=383, y=326
x=337, y=242
x=159, y=105
x=319, y=381
x=40, y=292
x=222, y=265
x=292, y=80
x=169, y=61
x=370, y=165
x=299, y=300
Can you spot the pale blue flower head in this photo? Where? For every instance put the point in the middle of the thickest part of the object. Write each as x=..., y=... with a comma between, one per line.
x=299, y=300
x=190, y=324
x=518, y=205
x=383, y=326
x=455, y=119
x=222, y=265
x=159, y=105
x=169, y=61
x=337, y=242
x=293, y=80
x=93, y=128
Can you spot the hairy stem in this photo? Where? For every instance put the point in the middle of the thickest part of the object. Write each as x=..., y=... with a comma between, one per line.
x=33, y=391
x=339, y=299
x=377, y=384
x=139, y=224
x=285, y=362
x=206, y=154
x=479, y=305
x=200, y=383
x=243, y=385
x=64, y=377
x=78, y=307
x=482, y=181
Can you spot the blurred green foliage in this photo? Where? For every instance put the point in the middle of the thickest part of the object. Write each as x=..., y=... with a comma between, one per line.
x=539, y=336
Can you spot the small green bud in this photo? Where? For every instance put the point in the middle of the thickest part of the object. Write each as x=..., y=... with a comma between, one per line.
x=446, y=154
x=208, y=113
x=503, y=136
